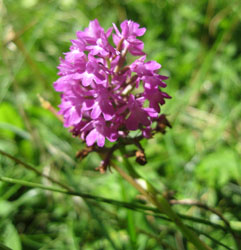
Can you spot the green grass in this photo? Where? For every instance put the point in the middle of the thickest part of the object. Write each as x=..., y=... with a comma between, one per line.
x=198, y=44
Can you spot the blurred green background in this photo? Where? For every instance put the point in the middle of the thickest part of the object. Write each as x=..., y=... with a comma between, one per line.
x=198, y=44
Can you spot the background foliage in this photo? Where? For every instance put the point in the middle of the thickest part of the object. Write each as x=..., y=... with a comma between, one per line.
x=198, y=43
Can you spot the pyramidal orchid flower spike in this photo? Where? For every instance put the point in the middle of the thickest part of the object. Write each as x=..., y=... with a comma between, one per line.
x=103, y=97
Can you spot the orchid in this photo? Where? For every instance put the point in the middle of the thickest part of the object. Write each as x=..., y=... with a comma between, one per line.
x=103, y=97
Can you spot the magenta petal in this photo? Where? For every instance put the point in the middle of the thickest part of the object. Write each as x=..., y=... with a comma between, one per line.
x=147, y=132
x=109, y=31
x=116, y=39
x=113, y=136
x=132, y=123
x=86, y=79
x=136, y=51
x=88, y=104
x=96, y=111
x=153, y=66
x=64, y=83
x=141, y=31
x=73, y=117
x=116, y=29
x=100, y=140
x=144, y=120
x=107, y=117
x=91, y=137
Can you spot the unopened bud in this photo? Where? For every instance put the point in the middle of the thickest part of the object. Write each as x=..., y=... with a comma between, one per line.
x=140, y=157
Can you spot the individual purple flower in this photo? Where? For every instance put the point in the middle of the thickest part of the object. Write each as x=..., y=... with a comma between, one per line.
x=103, y=104
x=155, y=97
x=137, y=114
x=147, y=72
x=97, y=131
x=73, y=63
x=74, y=105
x=92, y=73
x=91, y=34
x=129, y=31
x=66, y=82
x=101, y=48
x=143, y=68
x=103, y=97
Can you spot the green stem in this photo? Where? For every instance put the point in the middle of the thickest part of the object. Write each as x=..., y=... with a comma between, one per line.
x=130, y=217
x=29, y=167
x=161, y=203
x=132, y=172
x=132, y=206
x=164, y=206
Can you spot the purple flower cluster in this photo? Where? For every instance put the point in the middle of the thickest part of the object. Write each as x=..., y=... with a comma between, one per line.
x=103, y=97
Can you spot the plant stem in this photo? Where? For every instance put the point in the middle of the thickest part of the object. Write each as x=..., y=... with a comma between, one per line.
x=163, y=206
x=29, y=167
